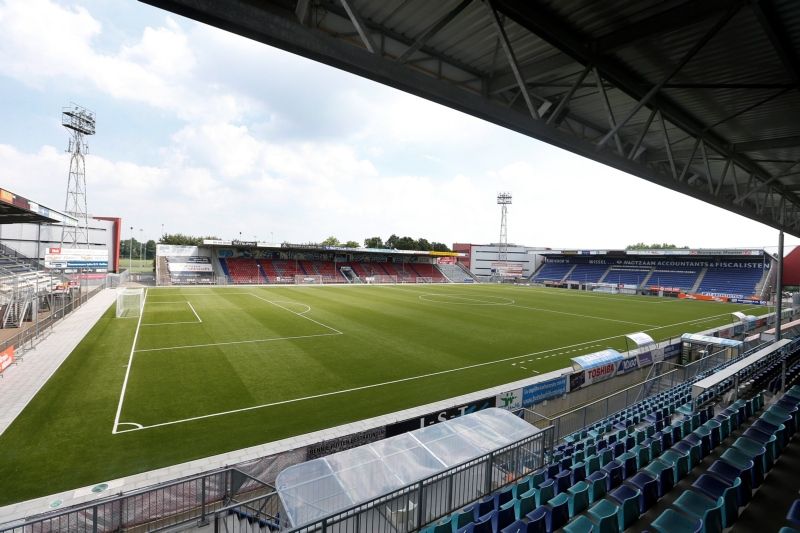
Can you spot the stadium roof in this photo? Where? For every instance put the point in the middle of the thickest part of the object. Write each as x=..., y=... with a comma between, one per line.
x=702, y=97
x=15, y=209
x=320, y=487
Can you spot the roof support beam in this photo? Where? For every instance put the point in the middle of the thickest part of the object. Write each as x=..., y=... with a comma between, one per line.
x=677, y=68
x=767, y=144
x=361, y=28
x=512, y=59
x=567, y=97
x=664, y=22
x=435, y=28
x=765, y=13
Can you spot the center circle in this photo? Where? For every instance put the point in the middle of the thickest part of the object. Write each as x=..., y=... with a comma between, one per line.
x=463, y=299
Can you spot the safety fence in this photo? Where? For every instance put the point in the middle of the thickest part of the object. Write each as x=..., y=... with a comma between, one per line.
x=673, y=374
x=62, y=305
x=411, y=507
x=190, y=500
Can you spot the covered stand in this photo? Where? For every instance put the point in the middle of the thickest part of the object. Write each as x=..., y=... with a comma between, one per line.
x=321, y=487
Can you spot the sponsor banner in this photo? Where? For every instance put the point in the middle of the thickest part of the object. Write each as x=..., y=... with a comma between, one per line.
x=671, y=351
x=702, y=297
x=446, y=260
x=176, y=250
x=646, y=358
x=662, y=264
x=539, y=392
x=347, y=442
x=511, y=400
x=576, y=381
x=434, y=418
x=6, y=358
x=600, y=373
x=627, y=365
x=749, y=301
x=76, y=258
x=189, y=267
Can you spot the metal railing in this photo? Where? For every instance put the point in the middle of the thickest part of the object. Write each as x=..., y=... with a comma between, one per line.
x=411, y=507
x=25, y=339
x=184, y=501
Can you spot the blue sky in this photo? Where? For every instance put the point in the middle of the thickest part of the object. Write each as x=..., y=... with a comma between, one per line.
x=209, y=133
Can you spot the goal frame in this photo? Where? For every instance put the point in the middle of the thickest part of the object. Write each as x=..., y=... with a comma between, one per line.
x=382, y=279
x=424, y=279
x=123, y=308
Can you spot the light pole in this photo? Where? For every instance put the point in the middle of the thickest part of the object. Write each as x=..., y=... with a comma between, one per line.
x=141, y=244
x=130, y=252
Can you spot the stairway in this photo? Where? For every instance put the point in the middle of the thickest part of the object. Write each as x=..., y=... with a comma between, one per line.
x=699, y=279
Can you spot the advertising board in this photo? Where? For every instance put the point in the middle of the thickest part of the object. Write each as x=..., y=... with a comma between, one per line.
x=77, y=259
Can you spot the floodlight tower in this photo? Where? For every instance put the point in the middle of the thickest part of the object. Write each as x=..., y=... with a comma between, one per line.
x=80, y=122
x=503, y=200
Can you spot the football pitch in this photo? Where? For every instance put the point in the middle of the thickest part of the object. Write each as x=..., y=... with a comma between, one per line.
x=208, y=370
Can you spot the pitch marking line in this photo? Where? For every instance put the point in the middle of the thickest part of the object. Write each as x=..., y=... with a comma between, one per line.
x=253, y=341
x=301, y=315
x=385, y=383
x=198, y=321
x=115, y=427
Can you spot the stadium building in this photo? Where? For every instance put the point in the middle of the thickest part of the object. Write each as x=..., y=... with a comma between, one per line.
x=303, y=389
x=725, y=275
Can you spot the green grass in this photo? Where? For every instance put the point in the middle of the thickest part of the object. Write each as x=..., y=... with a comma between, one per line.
x=361, y=351
x=136, y=265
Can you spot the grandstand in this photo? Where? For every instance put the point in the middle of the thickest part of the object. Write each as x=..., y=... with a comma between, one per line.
x=731, y=274
x=229, y=262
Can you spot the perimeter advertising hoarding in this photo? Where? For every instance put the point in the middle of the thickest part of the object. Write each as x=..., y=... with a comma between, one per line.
x=6, y=358
x=84, y=259
x=627, y=365
x=600, y=373
x=430, y=419
x=510, y=401
x=347, y=442
x=539, y=392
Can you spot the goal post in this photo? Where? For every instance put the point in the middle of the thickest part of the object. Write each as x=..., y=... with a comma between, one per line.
x=307, y=279
x=130, y=302
x=424, y=279
x=382, y=279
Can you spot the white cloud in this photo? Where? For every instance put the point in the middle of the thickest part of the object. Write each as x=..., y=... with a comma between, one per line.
x=267, y=142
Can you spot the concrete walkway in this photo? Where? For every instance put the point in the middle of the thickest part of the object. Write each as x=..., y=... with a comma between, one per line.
x=20, y=382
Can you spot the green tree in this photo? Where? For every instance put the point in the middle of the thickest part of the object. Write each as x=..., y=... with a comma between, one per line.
x=330, y=241
x=373, y=242
x=179, y=239
x=391, y=242
x=654, y=246
x=423, y=245
x=351, y=244
x=406, y=243
x=439, y=247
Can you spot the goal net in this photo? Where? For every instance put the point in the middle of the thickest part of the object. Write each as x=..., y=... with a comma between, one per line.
x=382, y=279
x=307, y=279
x=130, y=303
x=424, y=279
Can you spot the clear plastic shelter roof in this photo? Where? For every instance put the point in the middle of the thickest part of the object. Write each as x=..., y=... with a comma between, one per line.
x=593, y=360
x=640, y=339
x=706, y=339
x=318, y=488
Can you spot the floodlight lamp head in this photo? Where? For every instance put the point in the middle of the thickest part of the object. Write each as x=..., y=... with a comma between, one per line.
x=504, y=198
x=78, y=118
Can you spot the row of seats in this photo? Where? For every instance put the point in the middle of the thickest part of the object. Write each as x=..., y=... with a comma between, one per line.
x=625, y=276
x=739, y=282
x=606, y=475
x=716, y=496
x=587, y=273
x=734, y=281
x=674, y=279
x=242, y=270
